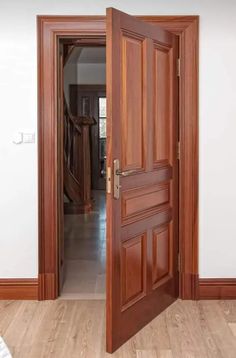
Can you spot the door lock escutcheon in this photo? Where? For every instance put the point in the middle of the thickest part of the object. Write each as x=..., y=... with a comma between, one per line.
x=116, y=179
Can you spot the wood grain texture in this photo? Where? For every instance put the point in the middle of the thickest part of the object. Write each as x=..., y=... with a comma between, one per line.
x=188, y=169
x=187, y=28
x=161, y=262
x=18, y=289
x=58, y=329
x=143, y=200
x=232, y=326
x=132, y=43
x=217, y=288
x=49, y=29
x=161, y=142
x=131, y=87
x=133, y=270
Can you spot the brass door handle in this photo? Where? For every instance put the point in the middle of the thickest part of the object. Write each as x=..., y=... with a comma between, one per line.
x=116, y=164
x=117, y=174
x=125, y=173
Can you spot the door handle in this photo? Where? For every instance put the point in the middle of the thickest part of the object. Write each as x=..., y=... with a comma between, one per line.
x=117, y=174
x=117, y=185
x=125, y=173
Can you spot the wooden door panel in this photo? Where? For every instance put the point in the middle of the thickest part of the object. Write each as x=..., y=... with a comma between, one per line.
x=162, y=104
x=141, y=201
x=132, y=131
x=133, y=270
x=161, y=255
x=163, y=174
x=142, y=230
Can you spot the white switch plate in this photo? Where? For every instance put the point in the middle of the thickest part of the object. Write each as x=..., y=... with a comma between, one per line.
x=21, y=137
x=28, y=137
x=17, y=138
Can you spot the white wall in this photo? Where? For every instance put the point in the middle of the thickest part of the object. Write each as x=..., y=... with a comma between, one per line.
x=18, y=96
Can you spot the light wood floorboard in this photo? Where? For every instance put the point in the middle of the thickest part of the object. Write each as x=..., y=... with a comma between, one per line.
x=72, y=328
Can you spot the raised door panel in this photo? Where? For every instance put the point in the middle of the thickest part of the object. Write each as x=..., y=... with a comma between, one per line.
x=133, y=270
x=132, y=103
x=162, y=103
x=161, y=255
x=145, y=201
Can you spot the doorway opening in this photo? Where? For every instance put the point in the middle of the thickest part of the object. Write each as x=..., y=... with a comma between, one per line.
x=82, y=250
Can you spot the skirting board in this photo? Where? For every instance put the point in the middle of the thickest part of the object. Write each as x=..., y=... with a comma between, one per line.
x=19, y=289
x=217, y=288
x=208, y=289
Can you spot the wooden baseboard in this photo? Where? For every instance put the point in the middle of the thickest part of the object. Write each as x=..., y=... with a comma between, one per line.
x=189, y=285
x=28, y=289
x=19, y=289
x=48, y=286
x=217, y=288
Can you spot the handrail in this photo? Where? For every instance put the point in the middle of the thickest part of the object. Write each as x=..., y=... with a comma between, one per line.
x=77, y=153
x=77, y=157
x=71, y=131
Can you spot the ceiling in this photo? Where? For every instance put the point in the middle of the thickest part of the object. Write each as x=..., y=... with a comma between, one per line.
x=88, y=55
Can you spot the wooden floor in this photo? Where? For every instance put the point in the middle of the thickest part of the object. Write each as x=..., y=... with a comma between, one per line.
x=76, y=329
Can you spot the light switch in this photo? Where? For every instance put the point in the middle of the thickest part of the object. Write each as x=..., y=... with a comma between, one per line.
x=21, y=137
x=28, y=137
x=17, y=138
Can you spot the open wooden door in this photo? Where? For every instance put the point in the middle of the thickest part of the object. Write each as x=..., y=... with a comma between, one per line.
x=142, y=168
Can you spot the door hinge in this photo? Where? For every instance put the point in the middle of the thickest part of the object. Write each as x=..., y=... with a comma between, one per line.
x=178, y=150
x=178, y=67
x=179, y=262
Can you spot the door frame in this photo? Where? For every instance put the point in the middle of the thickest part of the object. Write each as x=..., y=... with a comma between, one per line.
x=50, y=29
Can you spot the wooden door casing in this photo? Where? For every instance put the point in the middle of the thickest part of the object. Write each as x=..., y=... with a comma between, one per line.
x=142, y=132
x=60, y=143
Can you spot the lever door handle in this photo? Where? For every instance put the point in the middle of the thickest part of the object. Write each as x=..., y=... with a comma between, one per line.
x=116, y=164
x=125, y=173
x=117, y=174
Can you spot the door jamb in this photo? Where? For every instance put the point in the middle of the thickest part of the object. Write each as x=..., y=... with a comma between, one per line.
x=50, y=28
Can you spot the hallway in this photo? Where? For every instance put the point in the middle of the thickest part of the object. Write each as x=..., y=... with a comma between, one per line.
x=85, y=252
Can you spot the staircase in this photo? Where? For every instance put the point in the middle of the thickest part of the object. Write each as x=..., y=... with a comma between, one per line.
x=77, y=151
x=77, y=162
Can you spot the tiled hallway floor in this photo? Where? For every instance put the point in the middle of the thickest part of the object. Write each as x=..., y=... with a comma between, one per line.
x=85, y=252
